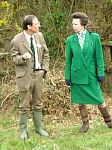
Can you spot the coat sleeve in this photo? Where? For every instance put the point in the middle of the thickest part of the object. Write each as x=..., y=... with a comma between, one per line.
x=45, y=55
x=68, y=60
x=99, y=56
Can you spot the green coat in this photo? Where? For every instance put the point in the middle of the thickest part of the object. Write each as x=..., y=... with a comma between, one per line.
x=84, y=66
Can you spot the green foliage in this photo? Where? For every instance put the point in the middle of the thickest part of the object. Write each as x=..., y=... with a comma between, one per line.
x=5, y=15
x=55, y=19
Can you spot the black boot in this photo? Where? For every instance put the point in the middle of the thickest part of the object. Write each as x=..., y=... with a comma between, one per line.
x=106, y=116
x=84, y=115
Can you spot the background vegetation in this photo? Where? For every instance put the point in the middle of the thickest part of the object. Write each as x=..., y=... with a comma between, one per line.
x=55, y=18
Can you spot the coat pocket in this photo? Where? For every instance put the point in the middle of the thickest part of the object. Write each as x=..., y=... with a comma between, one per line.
x=92, y=73
x=92, y=67
x=73, y=68
x=20, y=74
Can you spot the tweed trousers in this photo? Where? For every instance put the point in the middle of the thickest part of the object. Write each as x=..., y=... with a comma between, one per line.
x=32, y=98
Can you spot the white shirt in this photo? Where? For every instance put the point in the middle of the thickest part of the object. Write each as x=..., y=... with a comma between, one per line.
x=81, y=38
x=28, y=38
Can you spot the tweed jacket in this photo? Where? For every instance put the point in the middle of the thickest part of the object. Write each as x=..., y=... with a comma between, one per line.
x=24, y=69
x=84, y=66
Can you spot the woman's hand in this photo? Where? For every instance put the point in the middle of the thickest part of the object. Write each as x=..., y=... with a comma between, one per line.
x=100, y=79
x=68, y=82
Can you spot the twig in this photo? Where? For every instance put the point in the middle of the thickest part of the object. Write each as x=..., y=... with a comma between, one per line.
x=5, y=98
x=72, y=4
x=2, y=54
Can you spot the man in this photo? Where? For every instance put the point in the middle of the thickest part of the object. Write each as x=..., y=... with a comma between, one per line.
x=31, y=58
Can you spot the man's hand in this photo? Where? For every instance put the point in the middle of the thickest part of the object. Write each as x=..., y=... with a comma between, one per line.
x=26, y=56
x=42, y=72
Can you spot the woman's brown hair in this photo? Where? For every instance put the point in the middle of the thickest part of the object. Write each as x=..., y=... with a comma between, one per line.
x=82, y=16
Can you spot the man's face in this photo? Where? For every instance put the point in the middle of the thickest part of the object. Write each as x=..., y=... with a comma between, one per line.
x=35, y=26
x=77, y=27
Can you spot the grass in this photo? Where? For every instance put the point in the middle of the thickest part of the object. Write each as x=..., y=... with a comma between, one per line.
x=64, y=135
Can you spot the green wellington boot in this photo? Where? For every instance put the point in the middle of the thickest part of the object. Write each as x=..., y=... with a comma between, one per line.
x=37, y=118
x=106, y=116
x=23, y=126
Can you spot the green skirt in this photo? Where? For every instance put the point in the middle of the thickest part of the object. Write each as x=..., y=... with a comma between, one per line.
x=86, y=94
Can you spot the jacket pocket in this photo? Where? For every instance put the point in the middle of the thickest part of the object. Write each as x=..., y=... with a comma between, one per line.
x=20, y=74
x=92, y=67
x=73, y=68
x=92, y=73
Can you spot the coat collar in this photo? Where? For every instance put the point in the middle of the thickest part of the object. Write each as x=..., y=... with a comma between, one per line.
x=85, y=46
x=87, y=35
x=25, y=43
x=86, y=42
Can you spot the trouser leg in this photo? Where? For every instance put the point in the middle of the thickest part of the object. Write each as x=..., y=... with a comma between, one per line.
x=24, y=107
x=37, y=103
x=37, y=92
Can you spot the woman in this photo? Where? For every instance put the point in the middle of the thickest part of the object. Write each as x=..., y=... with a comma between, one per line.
x=85, y=69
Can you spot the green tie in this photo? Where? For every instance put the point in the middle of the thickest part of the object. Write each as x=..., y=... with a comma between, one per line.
x=33, y=50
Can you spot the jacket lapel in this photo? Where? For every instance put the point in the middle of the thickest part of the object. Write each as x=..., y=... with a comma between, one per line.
x=86, y=42
x=25, y=43
x=36, y=40
x=38, y=46
x=78, y=48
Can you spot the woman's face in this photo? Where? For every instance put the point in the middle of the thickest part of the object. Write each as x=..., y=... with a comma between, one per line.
x=77, y=27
